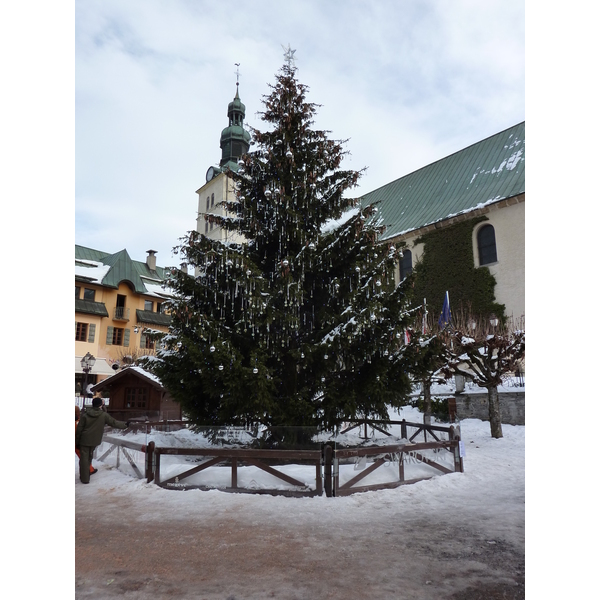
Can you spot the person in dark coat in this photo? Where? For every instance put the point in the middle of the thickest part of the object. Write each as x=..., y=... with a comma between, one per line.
x=89, y=433
x=77, y=452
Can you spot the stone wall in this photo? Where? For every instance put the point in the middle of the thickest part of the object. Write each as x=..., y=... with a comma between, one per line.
x=475, y=406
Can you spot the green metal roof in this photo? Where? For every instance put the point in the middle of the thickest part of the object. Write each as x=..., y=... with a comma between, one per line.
x=120, y=267
x=147, y=316
x=486, y=172
x=90, y=308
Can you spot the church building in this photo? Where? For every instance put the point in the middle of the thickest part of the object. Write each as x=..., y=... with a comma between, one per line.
x=479, y=190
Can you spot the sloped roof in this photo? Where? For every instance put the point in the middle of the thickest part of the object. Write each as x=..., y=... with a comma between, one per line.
x=110, y=270
x=90, y=308
x=154, y=318
x=146, y=376
x=486, y=172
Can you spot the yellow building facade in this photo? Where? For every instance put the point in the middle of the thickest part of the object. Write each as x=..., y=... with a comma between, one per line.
x=118, y=303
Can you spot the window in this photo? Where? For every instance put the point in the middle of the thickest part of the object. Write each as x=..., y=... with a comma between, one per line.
x=85, y=332
x=405, y=264
x=146, y=343
x=117, y=336
x=148, y=305
x=81, y=330
x=207, y=203
x=77, y=292
x=136, y=397
x=212, y=200
x=486, y=245
x=159, y=307
x=206, y=227
x=89, y=294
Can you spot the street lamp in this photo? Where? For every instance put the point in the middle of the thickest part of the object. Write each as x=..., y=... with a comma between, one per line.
x=87, y=363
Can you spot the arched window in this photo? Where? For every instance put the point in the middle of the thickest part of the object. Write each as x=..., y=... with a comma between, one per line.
x=405, y=264
x=207, y=203
x=486, y=245
x=212, y=200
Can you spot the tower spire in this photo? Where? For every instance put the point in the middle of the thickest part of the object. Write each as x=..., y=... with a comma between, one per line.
x=235, y=140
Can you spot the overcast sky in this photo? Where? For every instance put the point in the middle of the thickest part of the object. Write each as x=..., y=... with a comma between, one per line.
x=405, y=82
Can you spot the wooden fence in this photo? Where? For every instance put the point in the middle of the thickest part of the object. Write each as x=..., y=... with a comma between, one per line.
x=232, y=458
x=145, y=461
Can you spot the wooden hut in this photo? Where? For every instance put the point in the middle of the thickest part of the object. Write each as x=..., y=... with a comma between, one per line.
x=135, y=393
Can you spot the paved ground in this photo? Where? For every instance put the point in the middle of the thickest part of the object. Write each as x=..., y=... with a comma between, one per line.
x=233, y=550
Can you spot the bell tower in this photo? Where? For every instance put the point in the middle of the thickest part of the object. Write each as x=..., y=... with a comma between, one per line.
x=235, y=140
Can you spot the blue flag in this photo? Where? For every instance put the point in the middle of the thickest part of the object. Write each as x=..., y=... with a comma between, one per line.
x=445, y=316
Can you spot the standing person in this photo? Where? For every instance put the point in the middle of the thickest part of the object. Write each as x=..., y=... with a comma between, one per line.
x=77, y=451
x=89, y=433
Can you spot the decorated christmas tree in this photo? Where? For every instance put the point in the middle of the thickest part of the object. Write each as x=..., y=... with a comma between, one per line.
x=302, y=323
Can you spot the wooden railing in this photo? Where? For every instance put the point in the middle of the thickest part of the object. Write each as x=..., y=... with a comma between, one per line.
x=232, y=458
x=146, y=462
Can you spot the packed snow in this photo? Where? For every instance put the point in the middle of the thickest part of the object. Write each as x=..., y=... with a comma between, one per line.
x=489, y=464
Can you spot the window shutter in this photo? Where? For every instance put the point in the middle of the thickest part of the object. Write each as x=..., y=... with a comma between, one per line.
x=142, y=341
x=91, y=333
x=126, y=338
x=109, y=335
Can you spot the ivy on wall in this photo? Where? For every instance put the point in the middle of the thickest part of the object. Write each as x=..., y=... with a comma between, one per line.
x=447, y=264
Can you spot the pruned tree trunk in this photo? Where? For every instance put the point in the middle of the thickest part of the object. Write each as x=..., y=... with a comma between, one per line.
x=427, y=402
x=494, y=412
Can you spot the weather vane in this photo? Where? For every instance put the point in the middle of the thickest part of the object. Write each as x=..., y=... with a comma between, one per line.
x=289, y=55
x=237, y=74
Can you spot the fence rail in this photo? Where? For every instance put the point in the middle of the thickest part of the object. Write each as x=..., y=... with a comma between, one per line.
x=233, y=459
x=333, y=466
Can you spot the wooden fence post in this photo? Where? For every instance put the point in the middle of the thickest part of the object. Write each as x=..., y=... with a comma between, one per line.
x=157, y=468
x=401, y=466
x=403, y=433
x=150, y=462
x=234, y=473
x=327, y=456
x=458, y=461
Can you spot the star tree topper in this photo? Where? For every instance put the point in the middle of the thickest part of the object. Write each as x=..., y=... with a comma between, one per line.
x=289, y=55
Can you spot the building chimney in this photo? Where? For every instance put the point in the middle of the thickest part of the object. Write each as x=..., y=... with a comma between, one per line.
x=151, y=259
x=184, y=268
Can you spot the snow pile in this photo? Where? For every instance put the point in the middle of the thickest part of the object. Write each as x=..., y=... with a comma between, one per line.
x=473, y=431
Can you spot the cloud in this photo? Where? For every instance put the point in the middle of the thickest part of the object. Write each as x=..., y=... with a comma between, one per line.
x=407, y=83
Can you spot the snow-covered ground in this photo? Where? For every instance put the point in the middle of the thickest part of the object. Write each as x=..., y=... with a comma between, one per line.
x=254, y=478
x=487, y=500
x=494, y=472
x=488, y=496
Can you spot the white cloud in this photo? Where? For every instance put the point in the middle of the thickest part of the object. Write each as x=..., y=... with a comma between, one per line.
x=407, y=83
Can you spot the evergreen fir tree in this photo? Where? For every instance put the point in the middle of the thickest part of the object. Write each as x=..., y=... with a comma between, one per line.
x=302, y=323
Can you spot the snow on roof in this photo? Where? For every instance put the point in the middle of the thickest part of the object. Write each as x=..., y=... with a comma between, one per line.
x=155, y=289
x=333, y=224
x=90, y=269
x=146, y=374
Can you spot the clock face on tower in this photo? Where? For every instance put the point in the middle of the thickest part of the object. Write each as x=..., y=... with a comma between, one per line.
x=210, y=173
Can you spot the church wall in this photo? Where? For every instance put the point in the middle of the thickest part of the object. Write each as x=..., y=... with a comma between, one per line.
x=509, y=270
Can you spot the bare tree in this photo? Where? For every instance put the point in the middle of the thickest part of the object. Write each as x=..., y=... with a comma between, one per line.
x=424, y=354
x=131, y=356
x=484, y=350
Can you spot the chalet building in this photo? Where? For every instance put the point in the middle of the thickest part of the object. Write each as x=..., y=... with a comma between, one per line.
x=486, y=179
x=117, y=302
x=135, y=393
